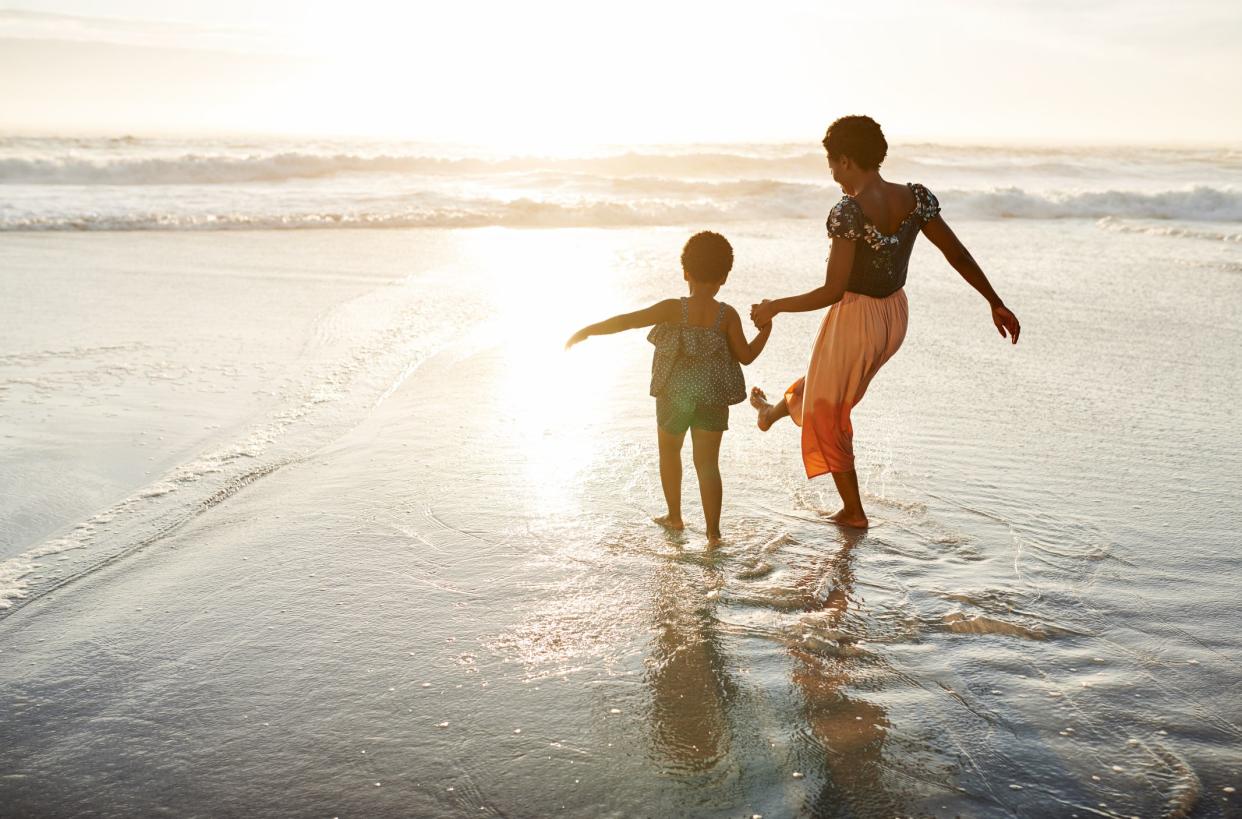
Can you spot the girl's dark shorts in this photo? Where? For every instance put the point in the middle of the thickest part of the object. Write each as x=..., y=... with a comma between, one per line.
x=675, y=417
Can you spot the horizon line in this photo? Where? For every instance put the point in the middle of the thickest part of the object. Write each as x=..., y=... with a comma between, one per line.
x=9, y=131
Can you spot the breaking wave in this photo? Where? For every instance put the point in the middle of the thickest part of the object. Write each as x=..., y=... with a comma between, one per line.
x=1176, y=231
x=519, y=213
x=204, y=169
x=599, y=202
x=131, y=184
x=1200, y=203
x=52, y=162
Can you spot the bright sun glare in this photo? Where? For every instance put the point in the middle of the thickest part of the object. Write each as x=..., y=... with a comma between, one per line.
x=553, y=78
x=544, y=288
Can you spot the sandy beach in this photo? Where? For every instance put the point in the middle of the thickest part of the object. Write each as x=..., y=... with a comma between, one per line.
x=325, y=523
x=332, y=487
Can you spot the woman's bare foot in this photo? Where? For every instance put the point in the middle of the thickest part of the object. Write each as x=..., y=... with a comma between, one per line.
x=670, y=522
x=759, y=401
x=714, y=540
x=853, y=520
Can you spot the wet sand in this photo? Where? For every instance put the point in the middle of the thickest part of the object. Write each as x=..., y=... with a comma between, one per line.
x=449, y=598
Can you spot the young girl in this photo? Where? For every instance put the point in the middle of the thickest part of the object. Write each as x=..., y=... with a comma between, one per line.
x=695, y=374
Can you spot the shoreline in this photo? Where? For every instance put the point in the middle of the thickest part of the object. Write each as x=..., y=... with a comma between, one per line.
x=486, y=525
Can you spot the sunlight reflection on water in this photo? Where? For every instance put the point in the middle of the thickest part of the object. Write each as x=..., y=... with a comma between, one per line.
x=469, y=582
x=546, y=281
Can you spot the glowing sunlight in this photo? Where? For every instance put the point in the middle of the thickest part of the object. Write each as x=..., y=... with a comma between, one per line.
x=546, y=281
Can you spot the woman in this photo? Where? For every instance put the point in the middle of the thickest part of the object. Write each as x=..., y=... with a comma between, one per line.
x=873, y=229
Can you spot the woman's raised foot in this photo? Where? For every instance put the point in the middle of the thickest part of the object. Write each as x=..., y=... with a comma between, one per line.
x=759, y=401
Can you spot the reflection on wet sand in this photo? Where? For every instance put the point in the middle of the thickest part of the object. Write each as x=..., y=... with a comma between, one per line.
x=687, y=674
x=699, y=727
x=847, y=732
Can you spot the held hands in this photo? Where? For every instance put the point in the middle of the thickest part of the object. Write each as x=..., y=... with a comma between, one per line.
x=1005, y=320
x=762, y=314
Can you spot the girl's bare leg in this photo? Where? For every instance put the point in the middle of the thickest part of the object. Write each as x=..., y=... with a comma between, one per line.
x=670, y=477
x=769, y=414
x=707, y=466
x=851, y=513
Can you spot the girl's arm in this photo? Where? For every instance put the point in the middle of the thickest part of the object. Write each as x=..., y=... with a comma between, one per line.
x=658, y=313
x=836, y=277
x=745, y=352
x=956, y=254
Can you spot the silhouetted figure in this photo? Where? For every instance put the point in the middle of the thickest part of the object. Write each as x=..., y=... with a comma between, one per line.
x=695, y=374
x=873, y=229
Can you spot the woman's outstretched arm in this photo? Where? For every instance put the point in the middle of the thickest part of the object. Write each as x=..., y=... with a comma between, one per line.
x=956, y=254
x=836, y=277
x=661, y=311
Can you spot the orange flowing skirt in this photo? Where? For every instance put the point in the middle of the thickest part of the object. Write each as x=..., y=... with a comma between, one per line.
x=858, y=335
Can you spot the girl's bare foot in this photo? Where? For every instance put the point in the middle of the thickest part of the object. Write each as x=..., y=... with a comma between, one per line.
x=855, y=520
x=759, y=401
x=670, y=522
x=714, y=540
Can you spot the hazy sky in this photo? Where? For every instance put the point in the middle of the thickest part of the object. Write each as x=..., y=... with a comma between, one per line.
x=559, y=73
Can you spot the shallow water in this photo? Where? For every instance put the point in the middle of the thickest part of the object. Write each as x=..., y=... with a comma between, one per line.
x=398, y=560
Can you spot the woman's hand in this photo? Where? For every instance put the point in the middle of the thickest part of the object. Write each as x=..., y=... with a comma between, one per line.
x=1005, y=320
x=581, y=335
x=762, y=313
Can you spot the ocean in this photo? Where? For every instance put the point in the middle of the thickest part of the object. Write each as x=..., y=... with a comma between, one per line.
x=304, y=510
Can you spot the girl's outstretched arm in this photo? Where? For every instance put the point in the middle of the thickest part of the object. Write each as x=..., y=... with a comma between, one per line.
x=658, y=313
x=956, y=254
x=744, y=351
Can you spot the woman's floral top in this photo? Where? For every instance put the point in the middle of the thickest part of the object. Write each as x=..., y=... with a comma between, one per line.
x=880, y=259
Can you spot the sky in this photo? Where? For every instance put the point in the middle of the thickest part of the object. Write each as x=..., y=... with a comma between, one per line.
x=555, y=73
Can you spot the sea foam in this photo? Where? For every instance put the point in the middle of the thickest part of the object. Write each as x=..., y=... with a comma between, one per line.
x=674, y=204
x=110, y=185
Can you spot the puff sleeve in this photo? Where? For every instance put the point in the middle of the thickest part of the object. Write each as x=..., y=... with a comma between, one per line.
x=926, y=203
x=845, y=220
